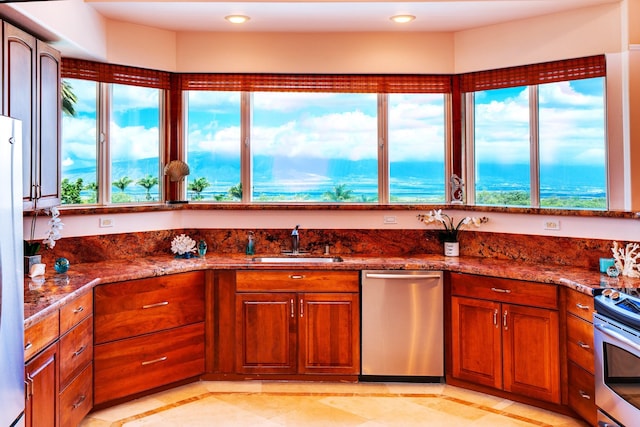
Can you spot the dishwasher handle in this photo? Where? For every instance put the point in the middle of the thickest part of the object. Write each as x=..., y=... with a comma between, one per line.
x=401, y=276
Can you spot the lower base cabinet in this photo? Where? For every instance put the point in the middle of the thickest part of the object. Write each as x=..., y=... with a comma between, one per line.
x=76, y=400
x=41, y=383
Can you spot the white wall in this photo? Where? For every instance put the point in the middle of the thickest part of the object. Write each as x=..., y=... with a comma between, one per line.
x=570, y=226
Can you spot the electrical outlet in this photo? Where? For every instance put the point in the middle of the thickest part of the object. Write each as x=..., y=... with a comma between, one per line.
x=551, y=224
x=106, y=222
x=390, y=219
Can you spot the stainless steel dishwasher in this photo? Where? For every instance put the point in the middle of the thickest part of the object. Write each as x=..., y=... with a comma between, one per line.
x=402, y=325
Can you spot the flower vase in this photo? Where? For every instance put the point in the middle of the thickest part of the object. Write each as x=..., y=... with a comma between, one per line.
x=30, y=260
x=451, y=248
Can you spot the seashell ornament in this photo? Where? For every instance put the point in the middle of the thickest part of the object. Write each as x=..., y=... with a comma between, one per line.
x=176, y=170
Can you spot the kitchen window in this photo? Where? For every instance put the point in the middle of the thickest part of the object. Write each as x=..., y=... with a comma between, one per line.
x=539, y=145
x=112, y=139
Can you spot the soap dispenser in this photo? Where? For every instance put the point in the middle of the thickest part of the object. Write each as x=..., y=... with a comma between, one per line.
x=250, y=245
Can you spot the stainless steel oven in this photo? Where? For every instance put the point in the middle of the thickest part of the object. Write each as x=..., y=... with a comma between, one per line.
x=617, y=358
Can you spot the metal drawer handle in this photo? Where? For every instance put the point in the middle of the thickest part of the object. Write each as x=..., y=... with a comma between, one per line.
x=78, y=402
x=158, y=304
x=78, y=310
x=301, y=307
x=401, y=276
x=293, y=314
x=584, y=395
x=582, y=306
x=495, y=317
x=584, y=345
x=502, y=291
x=150, y=362
x=28, y=345
x=296, y=276
x=80, y=351
x=504, y=320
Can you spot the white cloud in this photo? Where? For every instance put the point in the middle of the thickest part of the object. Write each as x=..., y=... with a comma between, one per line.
x=133, y=142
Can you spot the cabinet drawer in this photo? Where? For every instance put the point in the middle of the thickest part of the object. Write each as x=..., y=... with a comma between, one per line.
x=297, y=280
x=137, y=307
x=580, y=342
x=580, y=304
x=76, y=351
x=137, y=364
x=582, y=393
x=40, y=335
x=77, y=400
x=74, y=311
x=505, y=290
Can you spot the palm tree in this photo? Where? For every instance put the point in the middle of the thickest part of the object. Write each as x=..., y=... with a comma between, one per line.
x=122, y=183
x=236, y=191
x=197, y=186
x=148, y=182
x=339, y=193
x=69, y=99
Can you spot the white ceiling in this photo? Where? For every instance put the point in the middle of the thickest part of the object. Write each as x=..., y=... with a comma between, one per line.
x=329, y=15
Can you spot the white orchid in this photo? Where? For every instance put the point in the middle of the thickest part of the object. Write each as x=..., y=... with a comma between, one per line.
x=451, y=229
x=55, y=225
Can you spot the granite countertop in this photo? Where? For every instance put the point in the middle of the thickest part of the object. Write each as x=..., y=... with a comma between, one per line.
x=42, y=296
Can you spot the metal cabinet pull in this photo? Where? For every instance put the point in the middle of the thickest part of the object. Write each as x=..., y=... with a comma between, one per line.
x=79, y=351
x=502, y=291
x=28, y=345
x=584, y=394
x=504, y=320
x=582, y=306
x=495, y=317
x=78, y=402
x=296, y=276
x=158, y=304
x=301, y=307
x=150, y=362
x=293, y=314
x=78, y=310
x=584, y=345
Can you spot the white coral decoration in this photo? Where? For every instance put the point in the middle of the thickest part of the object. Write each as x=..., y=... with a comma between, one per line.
x=55, y=225
x=626, y=259
x=182, y=244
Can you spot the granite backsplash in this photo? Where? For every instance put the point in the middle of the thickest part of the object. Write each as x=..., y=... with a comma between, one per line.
x=577, y=252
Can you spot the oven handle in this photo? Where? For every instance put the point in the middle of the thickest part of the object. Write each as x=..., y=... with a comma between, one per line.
x=602, y=327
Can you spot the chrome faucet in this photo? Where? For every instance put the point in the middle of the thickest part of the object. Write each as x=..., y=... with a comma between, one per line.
x=295, y=241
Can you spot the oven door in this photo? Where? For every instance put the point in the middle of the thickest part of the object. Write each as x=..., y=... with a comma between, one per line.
x=617, y=370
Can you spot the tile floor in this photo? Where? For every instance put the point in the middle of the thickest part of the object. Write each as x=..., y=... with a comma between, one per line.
x=272, y=404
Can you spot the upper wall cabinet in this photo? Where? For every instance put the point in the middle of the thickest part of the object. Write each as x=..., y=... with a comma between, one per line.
x=31, y=93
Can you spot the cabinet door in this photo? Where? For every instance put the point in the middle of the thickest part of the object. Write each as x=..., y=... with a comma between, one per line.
x=47, y=139
x=41, y=378
x=19, y=99
x=476, y=341
x=531, y=355
x=329, y=338
x=266, y=333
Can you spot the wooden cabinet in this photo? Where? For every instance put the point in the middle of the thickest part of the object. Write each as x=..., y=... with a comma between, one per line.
x=41, y=372
x=31, y=93
x=504, y=335
x=297, y=322
x=41, y=383
x=148, y=333
x=580, y=355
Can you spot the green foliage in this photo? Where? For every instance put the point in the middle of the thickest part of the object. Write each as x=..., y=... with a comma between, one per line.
x=198, y=186
x=69, y=99
x=148, y=182
x=121, y=198
x=503, y=198
x=339, y=194
x=71, y=191
x=122, y=183
x=236, y=192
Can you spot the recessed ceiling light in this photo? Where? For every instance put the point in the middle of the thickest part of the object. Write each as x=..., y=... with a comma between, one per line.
x=402, y=19
x=237, y=19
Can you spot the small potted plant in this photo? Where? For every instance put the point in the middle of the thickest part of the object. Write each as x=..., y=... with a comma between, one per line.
x=449, y=236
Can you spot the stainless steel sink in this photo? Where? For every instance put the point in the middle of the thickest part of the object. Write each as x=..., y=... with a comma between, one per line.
x=297, y=259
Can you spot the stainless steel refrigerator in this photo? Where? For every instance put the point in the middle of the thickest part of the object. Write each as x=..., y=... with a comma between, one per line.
x=11, y=275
